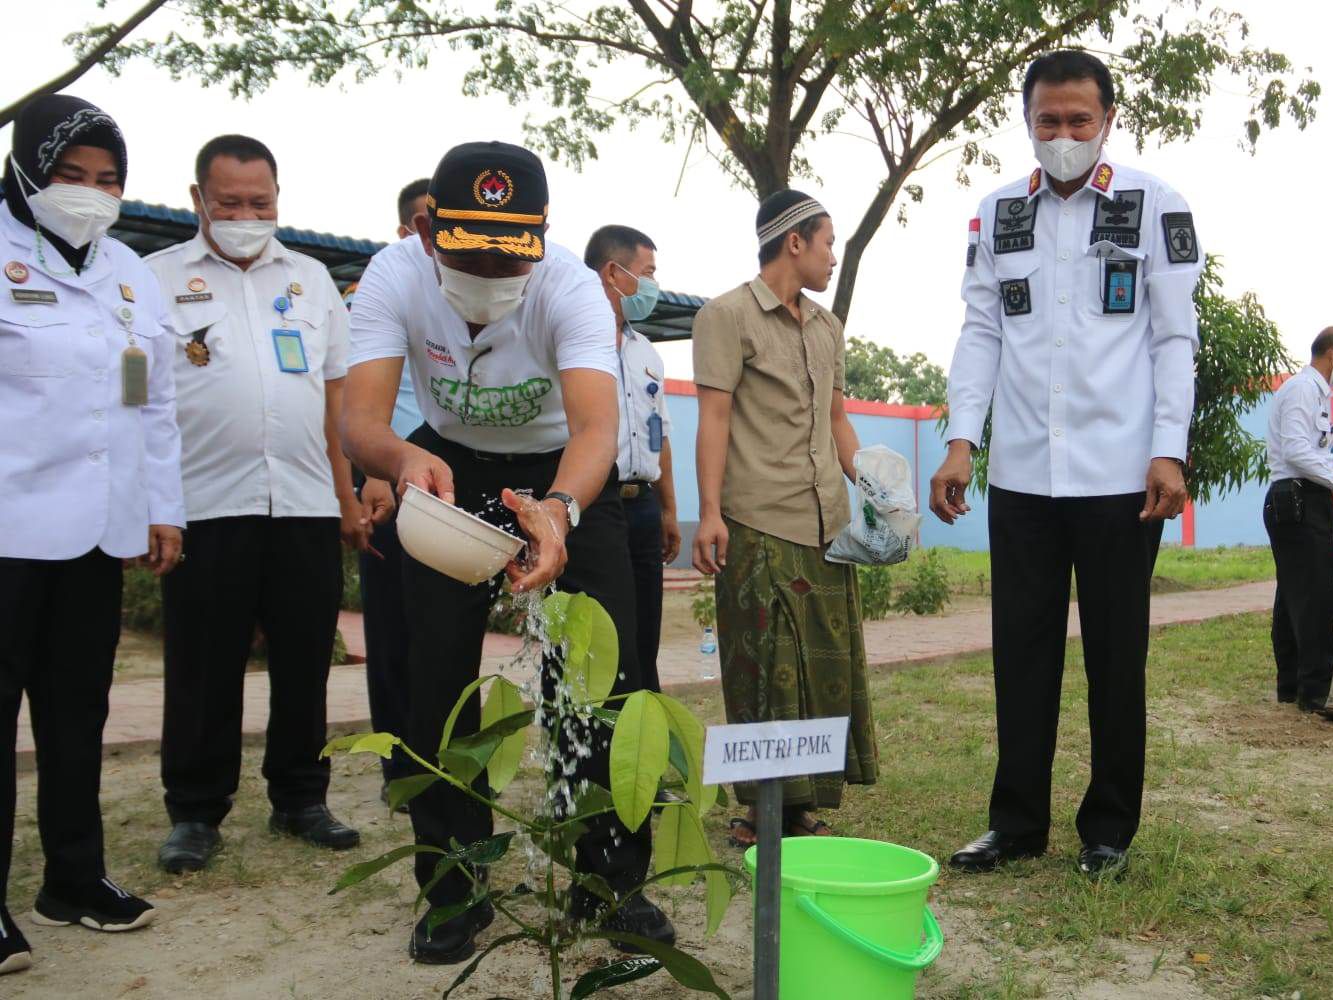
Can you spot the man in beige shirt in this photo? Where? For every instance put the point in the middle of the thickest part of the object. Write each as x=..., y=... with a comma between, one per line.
x=774, y=443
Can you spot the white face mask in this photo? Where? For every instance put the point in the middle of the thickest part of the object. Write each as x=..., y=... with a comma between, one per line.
x=481, y=300
x=76, y=213
x=239, y=239
x=1066, y=159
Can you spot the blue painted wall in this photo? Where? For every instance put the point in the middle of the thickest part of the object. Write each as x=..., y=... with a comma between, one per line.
x=1233, y=520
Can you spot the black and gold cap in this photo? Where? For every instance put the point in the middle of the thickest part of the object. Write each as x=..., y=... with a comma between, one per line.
x=489, y=197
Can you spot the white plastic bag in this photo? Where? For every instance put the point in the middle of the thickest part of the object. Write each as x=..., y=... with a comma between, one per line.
x=885, y=525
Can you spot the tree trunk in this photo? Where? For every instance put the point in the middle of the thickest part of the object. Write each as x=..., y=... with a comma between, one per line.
x=860, y=239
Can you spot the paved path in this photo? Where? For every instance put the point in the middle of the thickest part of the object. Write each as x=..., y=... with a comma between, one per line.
x=135, y=721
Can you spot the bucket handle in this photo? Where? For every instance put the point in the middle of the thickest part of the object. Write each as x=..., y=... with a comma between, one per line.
x=929, y=951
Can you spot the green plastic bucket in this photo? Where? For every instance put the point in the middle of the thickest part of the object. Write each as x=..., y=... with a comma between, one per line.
x=854, y=918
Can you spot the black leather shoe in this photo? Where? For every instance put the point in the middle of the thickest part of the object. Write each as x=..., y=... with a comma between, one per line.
x=635, y=915
x=315, y=825
x=993, y=849
x=1098, y=861
x=189, y=847
x=1315, y=708
x=15, y=955
x=454, y=940
x=384, y=797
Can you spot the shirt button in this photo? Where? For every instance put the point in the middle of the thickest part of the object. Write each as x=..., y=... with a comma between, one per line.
x=1059, y=341
x=1067, y=211
x=1063, y=298
x=1064, y=254
x=99, y=373
x=94, y=331
x=98, y=414
x=1059, y=387
x=1057, y=432
x=94, y=457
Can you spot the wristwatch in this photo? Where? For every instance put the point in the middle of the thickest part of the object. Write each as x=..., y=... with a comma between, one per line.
x=571, y=507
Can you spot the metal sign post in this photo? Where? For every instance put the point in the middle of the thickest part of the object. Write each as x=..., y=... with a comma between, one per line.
x=765, y=753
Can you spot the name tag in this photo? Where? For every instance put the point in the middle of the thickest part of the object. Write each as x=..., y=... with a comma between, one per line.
x=291, y=351
x=32, y=295
x=195, y=297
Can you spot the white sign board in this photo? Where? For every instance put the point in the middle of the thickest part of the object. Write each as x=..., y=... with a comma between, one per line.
x=761, y=750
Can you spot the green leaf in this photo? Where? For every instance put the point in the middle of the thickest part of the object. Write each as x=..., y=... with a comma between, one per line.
x=718, y=890
x=627, y=970
x=437, y=915
x=592, y=799
x=361, y=872
x=689, y=733
x=504, y=700
x=559, y=842
x=340, y=744
x=680, y=841
x=482, y=852
x=555, y=609
x=593, y=656
x=447, y=734
x=380, y=743
x=638, y=757
x=403, y=790
x=685, y=969
x=467, y=756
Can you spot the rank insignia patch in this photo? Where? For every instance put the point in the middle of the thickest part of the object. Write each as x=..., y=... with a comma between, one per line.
x=1017, y=297
x=493, y=188
x=973, y=238
x=1102, y=180
x=1015, y=224
x=127, y=293
x=1118, y=219
x=196, y=284
x=1034, y=182
x=1119, y=287
x=1182, y=246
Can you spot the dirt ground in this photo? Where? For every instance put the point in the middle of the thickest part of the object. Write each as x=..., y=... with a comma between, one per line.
x=260, y=922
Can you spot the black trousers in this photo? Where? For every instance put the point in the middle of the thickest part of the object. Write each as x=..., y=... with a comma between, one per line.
x=644, y=517
x=284, y=575
x=446, y=624
x=1035, y=542
x=385, y=620
x=1303, y=607
x=60, y=622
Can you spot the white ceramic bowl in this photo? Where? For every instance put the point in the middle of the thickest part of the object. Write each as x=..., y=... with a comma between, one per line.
x=449, y=539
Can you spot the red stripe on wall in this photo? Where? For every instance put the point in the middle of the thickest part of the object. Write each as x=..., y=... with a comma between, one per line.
x=682, y=387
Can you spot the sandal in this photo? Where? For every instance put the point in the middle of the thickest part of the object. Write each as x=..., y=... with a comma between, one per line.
x=805, y=825
x=743, y=833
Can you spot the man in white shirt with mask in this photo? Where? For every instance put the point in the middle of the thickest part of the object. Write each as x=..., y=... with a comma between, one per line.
x=260, y=356
x=1298, y=515
x=1080, y=330
x=511, y=344
x=626, y=261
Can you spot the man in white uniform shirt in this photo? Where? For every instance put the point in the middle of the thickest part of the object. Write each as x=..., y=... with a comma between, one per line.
x=1298, y=514
x=260, y=356
x=1080, y=331
x=512, y=349
x=626, y=261
x=90, y=462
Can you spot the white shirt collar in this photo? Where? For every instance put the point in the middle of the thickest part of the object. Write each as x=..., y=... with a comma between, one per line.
x=1323, y=382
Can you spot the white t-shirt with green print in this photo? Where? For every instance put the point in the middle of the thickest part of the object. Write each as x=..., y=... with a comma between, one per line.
x=512, y=403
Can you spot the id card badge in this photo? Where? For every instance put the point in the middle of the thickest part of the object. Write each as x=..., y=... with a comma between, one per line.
x=654, y=433
x=134, y=377
x=1120, y=287
x=291, y=351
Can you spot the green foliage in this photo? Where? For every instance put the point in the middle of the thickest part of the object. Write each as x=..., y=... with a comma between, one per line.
x=655, y=741
x=141, y=600
x=351, y=599
x=704, y=606
x=927, y=589
x=1240, y=353
x=876, y=586
x=763, y=81
x=878, y=373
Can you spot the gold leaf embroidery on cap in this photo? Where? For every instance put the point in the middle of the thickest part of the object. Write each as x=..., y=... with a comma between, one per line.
x=527, y=245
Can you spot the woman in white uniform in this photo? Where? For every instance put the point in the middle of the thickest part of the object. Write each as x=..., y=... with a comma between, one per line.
x=90, y=462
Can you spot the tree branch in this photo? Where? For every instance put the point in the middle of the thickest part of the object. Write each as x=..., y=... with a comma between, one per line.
x=91, y=59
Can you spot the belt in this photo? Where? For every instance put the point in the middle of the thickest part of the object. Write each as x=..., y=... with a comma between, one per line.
x=634, y=488
x=441, y=443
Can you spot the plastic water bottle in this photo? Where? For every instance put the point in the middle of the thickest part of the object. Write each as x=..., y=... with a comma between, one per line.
x=709, y=644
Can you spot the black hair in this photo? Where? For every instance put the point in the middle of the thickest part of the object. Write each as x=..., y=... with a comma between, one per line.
x=1322, y=343
x=774, y=206
x=1064, y=65
x=409, y=194
x=241, y=147
x=618, y=243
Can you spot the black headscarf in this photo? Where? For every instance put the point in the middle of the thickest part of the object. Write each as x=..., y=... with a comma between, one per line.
x=43, y=129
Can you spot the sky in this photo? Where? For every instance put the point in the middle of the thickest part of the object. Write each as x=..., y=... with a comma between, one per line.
x=344, y=152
